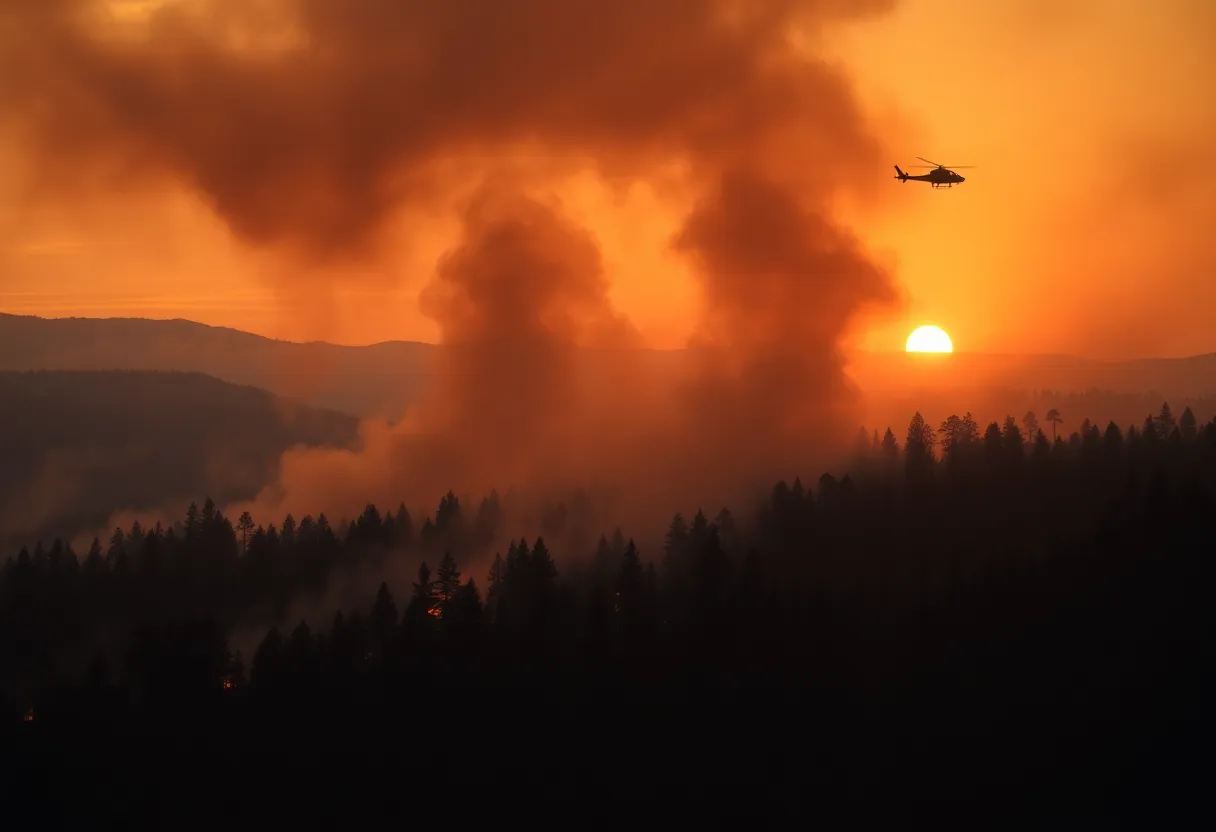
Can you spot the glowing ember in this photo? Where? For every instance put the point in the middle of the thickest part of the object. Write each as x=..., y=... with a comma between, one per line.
x=227, y=683
x=435, y=611
x=29, y=715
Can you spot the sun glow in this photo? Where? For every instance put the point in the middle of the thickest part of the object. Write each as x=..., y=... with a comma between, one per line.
x=929, y=339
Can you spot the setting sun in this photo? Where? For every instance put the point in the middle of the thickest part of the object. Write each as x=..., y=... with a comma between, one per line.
x=929, y=339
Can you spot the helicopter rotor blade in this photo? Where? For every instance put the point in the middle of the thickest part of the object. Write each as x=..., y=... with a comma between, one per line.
x=930, y=161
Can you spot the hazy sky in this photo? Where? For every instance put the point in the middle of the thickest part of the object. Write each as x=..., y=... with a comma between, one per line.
x=1085, y=227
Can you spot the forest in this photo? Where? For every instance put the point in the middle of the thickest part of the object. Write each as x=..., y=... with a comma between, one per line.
x=1009, y=617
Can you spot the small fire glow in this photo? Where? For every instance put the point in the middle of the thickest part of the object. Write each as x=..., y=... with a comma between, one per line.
x=29, y=715
x=435, y=611
x=227, y=683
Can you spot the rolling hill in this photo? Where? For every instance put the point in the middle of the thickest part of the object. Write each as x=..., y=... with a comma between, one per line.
x=382, y=380
x=98, y=415
x=78, y=445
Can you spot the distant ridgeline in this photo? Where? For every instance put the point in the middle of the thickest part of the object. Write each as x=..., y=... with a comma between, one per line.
x=383, y=380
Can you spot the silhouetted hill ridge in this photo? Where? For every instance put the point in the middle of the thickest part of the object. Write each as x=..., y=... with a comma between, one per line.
x=321, y=374
x=383, y=379
x=78, y=445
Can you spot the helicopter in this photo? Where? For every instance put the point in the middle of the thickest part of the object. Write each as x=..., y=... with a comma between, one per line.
x=938, y=176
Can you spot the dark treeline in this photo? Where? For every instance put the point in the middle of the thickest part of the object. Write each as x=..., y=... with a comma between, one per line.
x=968, y=614
x=993, y=402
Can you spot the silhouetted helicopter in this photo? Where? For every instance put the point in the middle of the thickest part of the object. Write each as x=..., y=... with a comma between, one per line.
x=940, y=175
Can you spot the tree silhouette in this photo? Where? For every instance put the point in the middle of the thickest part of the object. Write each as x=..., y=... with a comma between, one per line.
x=918, y=448
x=629, y=582
x=958, y=435
x=424, y=600
x=244, y=525
x=890, y=446
x=384, y=615
x=1012, y=440
x=447, y=579
x=1054, y=417
x=1031, y=423
x=1165, y=421
x=1188, y=425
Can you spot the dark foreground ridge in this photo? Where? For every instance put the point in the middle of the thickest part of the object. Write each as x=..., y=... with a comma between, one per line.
x=96, y=441
x=965, y=620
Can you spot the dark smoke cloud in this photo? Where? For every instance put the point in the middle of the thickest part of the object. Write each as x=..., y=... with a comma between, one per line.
x=310, y=124
x=781, y=284
x=514, y=300
x=335, y=113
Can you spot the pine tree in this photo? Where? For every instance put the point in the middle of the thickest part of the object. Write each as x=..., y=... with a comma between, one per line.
x=1165, y=421
x=94, y=563
x=518, y=558
x=629, y=582
x=369, y=528
x=1054, y=417
x=244, y=525
x=601, y=562
x=497, y=572
x=116, y=554
x=1187, y=425
x=918, y=449
x=448, y=518
x=447, y=578
x=1031, y=423
x=384, y=612
x=675, y=549
x=403, y=527
x=193, y=522
x=993, y=446
x=423, y=602
x=698, y=530
x=890, y=446
x=1011, y=441
x=542, y=565
x=289, y=532
x=467, y=610
x=489, y=517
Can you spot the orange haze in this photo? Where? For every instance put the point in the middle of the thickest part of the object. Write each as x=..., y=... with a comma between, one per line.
x=523, y=178
x=1085, y=228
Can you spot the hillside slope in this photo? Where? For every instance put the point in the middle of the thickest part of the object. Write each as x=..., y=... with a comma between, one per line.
x=76, y=445
x=380, y=380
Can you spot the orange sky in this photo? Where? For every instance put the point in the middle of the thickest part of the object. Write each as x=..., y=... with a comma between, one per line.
x=1085, y=228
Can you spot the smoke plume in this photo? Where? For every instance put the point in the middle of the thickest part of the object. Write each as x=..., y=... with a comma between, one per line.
x=311, y=126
